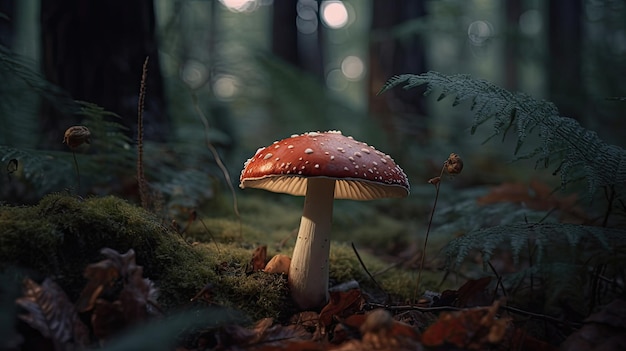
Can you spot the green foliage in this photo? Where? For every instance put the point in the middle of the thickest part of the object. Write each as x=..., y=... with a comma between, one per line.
x=574, y=151
x=110, y=156
x=560, y=256
x=541, y=237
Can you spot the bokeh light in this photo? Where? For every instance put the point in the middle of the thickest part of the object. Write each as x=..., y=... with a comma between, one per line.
x=530, y=22
x=225, y=87
x=334, y=14
x=353, y=68
x=306, y=22
x=479, y=32
x=194, y=74
x=240, y=5
x=335, y=80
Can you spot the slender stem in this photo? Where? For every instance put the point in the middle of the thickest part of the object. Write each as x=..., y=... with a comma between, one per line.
x=141, y=178
x=430, y=222
x=308, y=271
x=77, y=172
x=218, y=160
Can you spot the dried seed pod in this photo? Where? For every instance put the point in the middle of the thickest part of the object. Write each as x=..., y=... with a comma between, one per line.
x=454, y=164
x=75, y=136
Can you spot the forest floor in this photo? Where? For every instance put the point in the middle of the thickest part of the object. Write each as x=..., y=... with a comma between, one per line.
x=101, y=271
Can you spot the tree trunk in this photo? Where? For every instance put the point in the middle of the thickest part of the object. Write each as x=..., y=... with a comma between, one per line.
x=393, y=55
x=300, y=49
x=565, y=56
x=95, y=50
x=7, y=12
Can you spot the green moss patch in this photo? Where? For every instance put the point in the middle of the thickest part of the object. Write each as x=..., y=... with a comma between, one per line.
x=62, y=234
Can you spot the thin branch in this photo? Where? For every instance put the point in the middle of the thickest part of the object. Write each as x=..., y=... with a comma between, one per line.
x=367, y=271
x=218, y=160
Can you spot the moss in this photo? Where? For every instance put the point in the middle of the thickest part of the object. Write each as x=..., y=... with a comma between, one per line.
x=397, y=282
x=61, y=235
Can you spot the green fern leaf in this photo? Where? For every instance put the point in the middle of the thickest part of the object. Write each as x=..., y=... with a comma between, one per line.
x=519, y=236
x=574, y=150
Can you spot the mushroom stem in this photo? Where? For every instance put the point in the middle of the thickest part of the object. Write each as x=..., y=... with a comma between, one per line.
x=308, y=272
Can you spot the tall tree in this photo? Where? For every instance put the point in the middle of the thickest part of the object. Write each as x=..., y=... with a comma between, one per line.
x=565, y=52
x=302, y=48
x=95, y=50
x=6, y=22
x=390, y=55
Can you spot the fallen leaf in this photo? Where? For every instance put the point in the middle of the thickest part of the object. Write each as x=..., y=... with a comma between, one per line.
x=50, y=312
x=378, y=330
x=278, y=264
x=265, y=335
x=472, y=329
x=341, y=304
x=259, y=256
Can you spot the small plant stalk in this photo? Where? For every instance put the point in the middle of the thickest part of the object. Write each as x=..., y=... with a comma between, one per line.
x=77, y=172
x=74, y=137
x=453, y=165
x=141, y=179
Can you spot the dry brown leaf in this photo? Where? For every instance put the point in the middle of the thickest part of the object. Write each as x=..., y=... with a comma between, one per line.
x=265, y=335
x=378, y=330
x=50, y=312
x=341, y=304
x=472, y=329
x=278, y=264
x=133, y=302
x=259, y=256
x=107, y=319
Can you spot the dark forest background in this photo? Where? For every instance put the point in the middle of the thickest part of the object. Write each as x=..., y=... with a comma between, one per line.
x=260, y=70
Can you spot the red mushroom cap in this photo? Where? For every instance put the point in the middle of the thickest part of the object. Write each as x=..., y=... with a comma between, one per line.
x=361, y=171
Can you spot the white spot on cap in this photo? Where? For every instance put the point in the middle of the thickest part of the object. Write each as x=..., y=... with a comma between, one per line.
x=317, y=165
x=332, y=157
x=346, y=169
x=357, y=154
x=367, y=151
x=268, y=156
x=383, y=160
x=308, y=151
x=290, y=147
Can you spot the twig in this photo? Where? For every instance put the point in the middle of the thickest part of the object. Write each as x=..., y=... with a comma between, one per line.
x=367, y=271
x=454, y=309
x=218, y=160
x=210, y=234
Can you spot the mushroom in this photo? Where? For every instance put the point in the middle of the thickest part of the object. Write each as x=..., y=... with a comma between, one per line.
x=321, y=167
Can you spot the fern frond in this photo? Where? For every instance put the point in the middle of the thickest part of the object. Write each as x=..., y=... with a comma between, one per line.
x=16, y=67
x=574, y=150
x=50, y=171
x=519, y=236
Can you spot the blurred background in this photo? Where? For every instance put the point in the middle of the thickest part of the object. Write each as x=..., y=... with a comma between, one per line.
x=243, y=73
